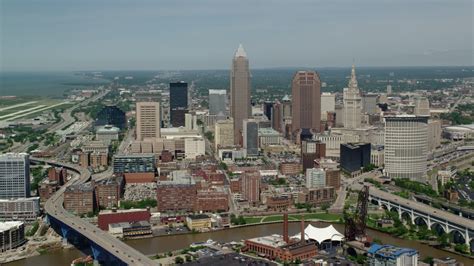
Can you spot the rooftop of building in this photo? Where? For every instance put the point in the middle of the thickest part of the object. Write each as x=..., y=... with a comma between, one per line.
x=267, y=131
x=122, y=211
x=198, y=216
x=138, y=155
x=109, y=181
x=389, y=251
x=107, y=129
x=221, y=92
x=13, y=156
x=85, y=187
x=271, y=241
x=20, y=199
x=5, y=226
x=353, y=145
x=130, y=225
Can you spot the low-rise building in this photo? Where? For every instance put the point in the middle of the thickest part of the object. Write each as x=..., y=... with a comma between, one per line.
x=12, y=235
x=107, y=133
x=21, y=209
x=108, y=217
x=282, y=247
x=278, y=203
x=199, y=222
x=139, y=229
x=290, y=168
x=391, y=255
x=46, y=189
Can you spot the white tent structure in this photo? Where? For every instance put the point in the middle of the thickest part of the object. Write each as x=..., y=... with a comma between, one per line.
x=321, y=234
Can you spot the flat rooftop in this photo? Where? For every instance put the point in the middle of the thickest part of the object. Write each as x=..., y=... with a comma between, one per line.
x=271, y=241
x=5, y=226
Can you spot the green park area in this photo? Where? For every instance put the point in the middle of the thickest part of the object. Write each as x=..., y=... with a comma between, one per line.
x=323, y=216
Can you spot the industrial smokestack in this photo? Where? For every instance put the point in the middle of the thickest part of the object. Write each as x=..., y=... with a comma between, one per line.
x=302, y=228
x=285, y=228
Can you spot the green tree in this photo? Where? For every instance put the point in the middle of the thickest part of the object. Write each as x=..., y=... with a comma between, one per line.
x=179, y=260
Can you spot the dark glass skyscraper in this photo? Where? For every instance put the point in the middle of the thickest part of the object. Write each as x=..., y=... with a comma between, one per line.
x=178, y=103
x=111, y=115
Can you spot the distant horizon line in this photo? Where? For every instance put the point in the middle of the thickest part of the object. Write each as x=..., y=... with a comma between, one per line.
x=222, y=69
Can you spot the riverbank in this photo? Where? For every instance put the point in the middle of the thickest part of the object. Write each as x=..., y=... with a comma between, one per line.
x=162, y=244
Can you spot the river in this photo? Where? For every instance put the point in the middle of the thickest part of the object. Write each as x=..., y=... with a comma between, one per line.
x=162, y=244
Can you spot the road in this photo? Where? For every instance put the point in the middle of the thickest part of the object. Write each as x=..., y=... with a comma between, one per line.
x=66, y=117
x=420, y=207
x=338, y=205
x=54, y=208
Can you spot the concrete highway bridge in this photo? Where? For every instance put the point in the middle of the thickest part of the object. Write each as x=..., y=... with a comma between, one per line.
x=461, y=228
x=105, y=248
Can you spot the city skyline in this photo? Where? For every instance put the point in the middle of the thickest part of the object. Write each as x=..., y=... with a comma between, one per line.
x=169, y=35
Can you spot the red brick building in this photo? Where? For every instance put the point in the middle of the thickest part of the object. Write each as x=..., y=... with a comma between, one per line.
x=79, y=199
x=146, y=177
x=235, y=185
x=290, y=168
x=110, y=217
x=58, y=175
x=250, y=187
x=46, y=189
x=210, y=200
x=333, y=178
x=176, y=197
x=318, y=196
x=282, y=247
x=108, y=191
x=278, y=203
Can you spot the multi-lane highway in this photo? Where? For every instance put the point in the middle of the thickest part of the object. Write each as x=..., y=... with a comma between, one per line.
x=416, y=206
x=54, y=208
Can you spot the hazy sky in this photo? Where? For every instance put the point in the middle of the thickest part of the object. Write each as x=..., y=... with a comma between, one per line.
x=203, y=34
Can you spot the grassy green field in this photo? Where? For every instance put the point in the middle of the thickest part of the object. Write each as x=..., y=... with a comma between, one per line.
x=20, y=108
x=293, y=217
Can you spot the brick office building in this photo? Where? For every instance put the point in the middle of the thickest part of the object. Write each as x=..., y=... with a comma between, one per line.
x=213, y=199
x=79, y=199
x=108, y=191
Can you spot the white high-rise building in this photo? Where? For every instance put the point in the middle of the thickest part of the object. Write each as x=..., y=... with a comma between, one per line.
x=352, y=103
x=194, y=147
x=406, y=147
x=328, y=104
x=190, y=121
x=14, y=175
x=315, y=178
x=224, y=134
x=422, y=106
x=217, y=102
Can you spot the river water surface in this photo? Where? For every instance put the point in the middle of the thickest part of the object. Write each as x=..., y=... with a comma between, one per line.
x=151, y=246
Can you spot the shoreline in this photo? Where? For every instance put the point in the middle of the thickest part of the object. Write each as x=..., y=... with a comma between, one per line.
x=36, y=253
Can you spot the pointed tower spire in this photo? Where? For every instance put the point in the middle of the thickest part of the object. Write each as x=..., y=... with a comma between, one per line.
x=353, y=80
x=240, y=52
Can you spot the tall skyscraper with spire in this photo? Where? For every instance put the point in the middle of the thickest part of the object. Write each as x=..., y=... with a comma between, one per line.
x=352, y=103
x=239, y=92
x=306, y=102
